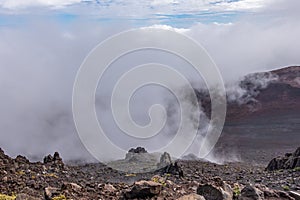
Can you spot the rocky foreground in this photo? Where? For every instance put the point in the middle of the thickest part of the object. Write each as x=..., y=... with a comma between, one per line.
x=183, y=180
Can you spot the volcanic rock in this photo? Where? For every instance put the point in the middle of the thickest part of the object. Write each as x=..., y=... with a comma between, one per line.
x=71, y=187
x=295, y=195
x=289, y=161
x=137, y=150
x=21, y=159
x=4, y=159
x=144, y=189
x=97, y=181
x=165, y=160
x=110, y=188
x=173, y=169
x=54, y=158
x=217, y=191
x=251, y=193
x=137, y=160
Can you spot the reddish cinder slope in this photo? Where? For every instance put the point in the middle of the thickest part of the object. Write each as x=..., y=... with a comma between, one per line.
x=279, y=97
x=261, y=129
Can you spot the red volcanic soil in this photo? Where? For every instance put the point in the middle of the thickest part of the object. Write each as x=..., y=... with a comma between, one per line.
x=280, y=96
x=270, y=123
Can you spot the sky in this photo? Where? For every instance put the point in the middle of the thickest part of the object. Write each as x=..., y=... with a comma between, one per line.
x=179, y=13
x=43, y=43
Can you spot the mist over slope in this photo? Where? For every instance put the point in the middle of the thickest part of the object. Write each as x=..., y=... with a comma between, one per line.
x=40, y=58
x=268, y=122
x=279, y=94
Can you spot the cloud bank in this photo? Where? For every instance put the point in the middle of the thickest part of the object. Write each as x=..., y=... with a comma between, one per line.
x=39, y=61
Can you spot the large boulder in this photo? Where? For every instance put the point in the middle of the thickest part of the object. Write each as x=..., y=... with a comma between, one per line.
x=261, y=192
x=295, y=195
x=277, y=163
x=289, y=161
x=217, y=191
x=210, y=192
x=251, y=193
x=143, y=190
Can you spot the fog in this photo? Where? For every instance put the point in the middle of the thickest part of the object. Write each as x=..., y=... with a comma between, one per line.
x=39, y=61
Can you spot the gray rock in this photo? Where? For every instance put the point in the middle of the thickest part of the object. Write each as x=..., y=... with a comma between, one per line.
x=165, y=160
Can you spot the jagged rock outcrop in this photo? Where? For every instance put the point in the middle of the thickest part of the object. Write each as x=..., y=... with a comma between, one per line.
x=289, y=161
x=137, y=150
x=133, y=154
x=53, y=159
x=166, y=166
x=164, y=160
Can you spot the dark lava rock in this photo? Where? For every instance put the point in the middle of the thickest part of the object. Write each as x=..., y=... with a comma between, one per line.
x=166, y=166
x=297, y=153
x=137, y=150
x=217, y=189
x=173, y=169
x=250, y=193
x=37, y=180
x=277, y=163
x=51, y=159
x=3, y=156
x=21, y=159
x=289, y=161
x=143, y=190
x=209, y=192
x=295, y=195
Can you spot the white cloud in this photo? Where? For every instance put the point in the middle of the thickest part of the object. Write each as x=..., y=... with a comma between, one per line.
x=132, y=7
x=166, y=27
x=37, y=86
x=251, y=5
x=16, y=4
